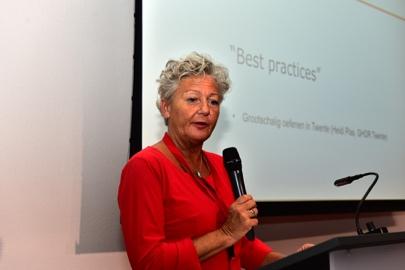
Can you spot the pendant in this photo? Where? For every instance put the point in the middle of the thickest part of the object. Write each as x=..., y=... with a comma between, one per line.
x=198, y=174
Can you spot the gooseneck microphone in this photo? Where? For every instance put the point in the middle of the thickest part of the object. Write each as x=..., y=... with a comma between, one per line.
x=349, y=180
x=233, y=165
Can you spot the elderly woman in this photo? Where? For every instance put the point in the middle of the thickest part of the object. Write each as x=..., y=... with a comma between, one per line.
x=177, y=206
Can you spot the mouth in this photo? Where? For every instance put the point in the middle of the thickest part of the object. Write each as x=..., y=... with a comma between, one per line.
x=200, y=124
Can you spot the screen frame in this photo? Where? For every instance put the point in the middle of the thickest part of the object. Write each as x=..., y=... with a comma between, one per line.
x=266, y=208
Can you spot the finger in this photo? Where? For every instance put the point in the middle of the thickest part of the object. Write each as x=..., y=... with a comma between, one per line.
x=253, y=212
x=250, y=204
x=254, y=222
x=307, y=245
x=244, y=198
x=304, y=247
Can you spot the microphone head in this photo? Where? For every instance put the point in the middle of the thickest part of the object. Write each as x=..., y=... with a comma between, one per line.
x=232, y=159
x=342, y=182
x=349, y=179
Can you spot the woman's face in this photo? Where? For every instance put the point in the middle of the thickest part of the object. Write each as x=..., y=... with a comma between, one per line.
x=193, y=110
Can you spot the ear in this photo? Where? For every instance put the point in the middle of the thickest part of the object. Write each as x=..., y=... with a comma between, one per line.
x=165, y=109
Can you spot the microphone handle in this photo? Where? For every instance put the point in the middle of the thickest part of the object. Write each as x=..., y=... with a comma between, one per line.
x=250, y=235
x=239, y=190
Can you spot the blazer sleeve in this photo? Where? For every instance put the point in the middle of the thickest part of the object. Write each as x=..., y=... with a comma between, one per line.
x=253, y=253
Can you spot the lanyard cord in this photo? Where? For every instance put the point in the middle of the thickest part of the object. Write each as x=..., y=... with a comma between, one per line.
x=201, y=182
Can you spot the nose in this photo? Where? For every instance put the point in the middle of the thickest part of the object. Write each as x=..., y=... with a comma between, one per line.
x=204, y=107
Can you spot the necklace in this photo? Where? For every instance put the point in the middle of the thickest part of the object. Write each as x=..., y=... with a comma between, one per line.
x=198, y=172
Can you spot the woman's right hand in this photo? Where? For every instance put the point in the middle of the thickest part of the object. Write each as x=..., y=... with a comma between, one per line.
x=242, y=217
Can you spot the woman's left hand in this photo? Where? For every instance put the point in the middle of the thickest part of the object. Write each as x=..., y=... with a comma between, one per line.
x=305, y=246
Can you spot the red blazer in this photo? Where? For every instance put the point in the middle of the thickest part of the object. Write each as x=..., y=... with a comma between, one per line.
x=163, y=208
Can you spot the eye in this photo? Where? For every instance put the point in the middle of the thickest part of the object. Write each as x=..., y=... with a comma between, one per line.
x=192, y=100
x=213, y=102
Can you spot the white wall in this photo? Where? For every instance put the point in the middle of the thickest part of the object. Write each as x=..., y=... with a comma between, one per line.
x=65, y=67
x=59, y=60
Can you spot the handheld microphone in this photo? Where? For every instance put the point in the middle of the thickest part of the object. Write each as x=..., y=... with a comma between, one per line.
x=349, y=180
x=233, y=165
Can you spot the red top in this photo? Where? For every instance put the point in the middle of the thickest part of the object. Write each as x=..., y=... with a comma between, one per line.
x=164, y=207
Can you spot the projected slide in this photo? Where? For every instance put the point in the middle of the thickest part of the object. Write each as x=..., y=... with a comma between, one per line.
x=317, y=89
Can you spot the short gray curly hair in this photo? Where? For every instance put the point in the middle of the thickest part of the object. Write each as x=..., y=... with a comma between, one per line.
x=194, y=64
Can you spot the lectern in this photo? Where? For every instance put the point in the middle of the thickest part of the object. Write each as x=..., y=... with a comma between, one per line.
x=367, y=251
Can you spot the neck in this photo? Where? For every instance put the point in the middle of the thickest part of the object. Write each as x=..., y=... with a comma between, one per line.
x=191, y=151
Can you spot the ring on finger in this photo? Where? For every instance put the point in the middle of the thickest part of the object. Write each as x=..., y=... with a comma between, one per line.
x=253, y=212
